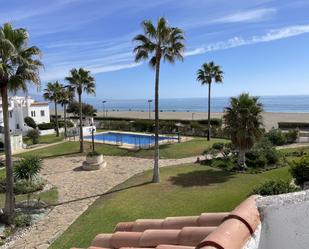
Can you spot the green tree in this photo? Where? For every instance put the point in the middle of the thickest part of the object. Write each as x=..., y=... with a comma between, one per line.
x=19, y=64
x=66, y=97
x=30, y=122
x=53, y=93
x=156, y=43
x=80, y=81
x=34, y=135
x=206, y=75
x=243, y=122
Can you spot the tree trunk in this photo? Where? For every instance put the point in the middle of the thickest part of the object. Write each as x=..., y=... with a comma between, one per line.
x=56, y=119
x=156, y=171
x=9, y=193
x=65, y=120
x=209, y=91
x=241, y=159
x=81, y=138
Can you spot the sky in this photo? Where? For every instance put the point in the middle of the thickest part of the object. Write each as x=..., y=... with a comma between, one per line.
x=261, y=45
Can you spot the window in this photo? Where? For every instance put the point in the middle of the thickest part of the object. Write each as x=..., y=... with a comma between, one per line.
x=32, y=113
x=10, y=113
x=17, y=126
x=42, y=113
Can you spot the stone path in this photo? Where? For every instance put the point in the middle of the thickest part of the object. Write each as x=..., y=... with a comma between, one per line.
x=79, y=189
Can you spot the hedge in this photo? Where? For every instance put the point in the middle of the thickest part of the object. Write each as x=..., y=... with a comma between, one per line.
x=293, y=125
x=48, y=126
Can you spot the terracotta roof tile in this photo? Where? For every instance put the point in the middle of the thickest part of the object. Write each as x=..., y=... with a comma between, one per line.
x=207, y=231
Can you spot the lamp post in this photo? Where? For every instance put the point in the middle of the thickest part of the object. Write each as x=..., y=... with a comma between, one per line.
x=193, y=115
x=103, y=102
x=149, y=107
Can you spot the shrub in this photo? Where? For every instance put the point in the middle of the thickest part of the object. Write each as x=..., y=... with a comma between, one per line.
x=274, y=187
x=93, y=153
x=291, y=136
x=276, y=137
x=22, y=220
x=1, y=144
x=27, y=168
x=23, y=187
x=34, y=136
x=30, y=122
x=46, y=126
x=69, y=124
x=300, y=170
x=218, y=146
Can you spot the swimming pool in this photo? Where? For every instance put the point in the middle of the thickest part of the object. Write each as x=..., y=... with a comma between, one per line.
x=133, y=139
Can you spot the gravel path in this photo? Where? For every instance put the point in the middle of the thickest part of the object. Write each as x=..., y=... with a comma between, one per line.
x=78, y=190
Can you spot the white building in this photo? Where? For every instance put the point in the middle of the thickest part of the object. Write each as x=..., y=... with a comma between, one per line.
x=21, y=107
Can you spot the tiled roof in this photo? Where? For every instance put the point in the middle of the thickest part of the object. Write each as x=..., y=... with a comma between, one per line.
x=39, y=104
x=206, y=231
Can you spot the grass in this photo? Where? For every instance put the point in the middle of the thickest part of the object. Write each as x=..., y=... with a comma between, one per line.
x=184, y=190
x=46, y=139
x=194, y=147
x=49, y=197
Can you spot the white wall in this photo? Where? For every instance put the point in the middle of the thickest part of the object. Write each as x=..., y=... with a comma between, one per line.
x=285, y=221
x=16, y=142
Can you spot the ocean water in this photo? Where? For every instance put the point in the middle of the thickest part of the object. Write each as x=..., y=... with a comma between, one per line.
x=299, y=104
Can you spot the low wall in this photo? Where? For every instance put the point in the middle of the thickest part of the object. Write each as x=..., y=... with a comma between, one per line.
x=285, y=221
x=50, y=131
x=16, y=141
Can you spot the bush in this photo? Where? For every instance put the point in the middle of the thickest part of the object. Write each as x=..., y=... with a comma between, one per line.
x=27, y=168
x=34, y=135
x=276, y=137
x=293, y=125
x=300, y=170
x=46, y=126
x=23, y=187
x=218, y=146
x=30, y=122
x=93, y=153
x=22, y=220
x=274, y=187
x=69, y=124
x=291, y=136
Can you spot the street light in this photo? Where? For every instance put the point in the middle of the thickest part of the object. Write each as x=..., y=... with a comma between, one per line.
x=193, y=115
x=149, y=106
x=103, y=102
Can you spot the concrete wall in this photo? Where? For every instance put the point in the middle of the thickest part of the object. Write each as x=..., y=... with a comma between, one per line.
x=285, y=221
x=16, y=141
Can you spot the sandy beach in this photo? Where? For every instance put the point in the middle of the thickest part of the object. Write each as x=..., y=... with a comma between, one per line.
x=271, y=119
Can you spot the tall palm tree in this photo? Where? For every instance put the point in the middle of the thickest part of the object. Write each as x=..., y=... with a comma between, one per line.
x=81, y=81
x=19, y=64
x=243, y=122
x=156, y=43
x=207, y=74
x=53, y=93
x=66, y=97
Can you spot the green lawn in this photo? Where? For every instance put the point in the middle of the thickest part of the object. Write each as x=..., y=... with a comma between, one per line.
x=46, y=139
x=50, y=196
x=184, y=190
x=193, y=147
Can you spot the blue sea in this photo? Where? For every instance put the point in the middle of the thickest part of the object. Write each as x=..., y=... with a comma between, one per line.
x=299, y=104
x=296, y=103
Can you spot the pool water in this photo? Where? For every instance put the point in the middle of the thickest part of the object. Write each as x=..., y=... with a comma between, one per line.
x=129, y=138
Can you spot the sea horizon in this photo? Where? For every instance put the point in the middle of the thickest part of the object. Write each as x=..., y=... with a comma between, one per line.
x=279, y=103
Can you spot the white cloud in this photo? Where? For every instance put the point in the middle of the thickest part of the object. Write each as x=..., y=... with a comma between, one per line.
x=247, y=16
x=237, y=41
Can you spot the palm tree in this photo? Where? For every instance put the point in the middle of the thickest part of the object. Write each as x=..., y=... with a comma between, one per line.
x=158, y=42
x=19, y=64
x=53, y=93
x=66, y=97
x=244, y=121
x=80, y=80
x=207, y=74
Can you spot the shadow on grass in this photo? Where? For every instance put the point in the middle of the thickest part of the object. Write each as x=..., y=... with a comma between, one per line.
x=201, y=178
x=115, y=190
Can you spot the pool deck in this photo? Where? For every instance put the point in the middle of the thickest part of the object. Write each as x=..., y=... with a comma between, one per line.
x=173, y=140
